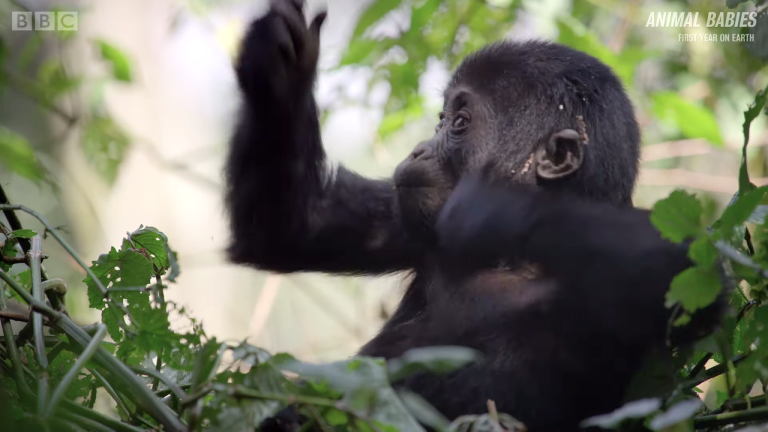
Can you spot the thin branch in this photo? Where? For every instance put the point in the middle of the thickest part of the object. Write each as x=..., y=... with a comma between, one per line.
x=735, y=417
x=34, y=257
x=167, y=381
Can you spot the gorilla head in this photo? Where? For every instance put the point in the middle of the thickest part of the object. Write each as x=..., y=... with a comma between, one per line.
x=532, y=113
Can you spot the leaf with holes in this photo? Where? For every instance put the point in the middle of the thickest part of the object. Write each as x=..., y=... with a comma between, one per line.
x=127, y=268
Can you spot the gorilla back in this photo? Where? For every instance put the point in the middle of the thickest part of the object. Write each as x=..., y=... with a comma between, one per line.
x=515, y=219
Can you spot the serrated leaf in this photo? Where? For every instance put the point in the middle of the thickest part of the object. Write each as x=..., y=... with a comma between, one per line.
x=750, y=115
x=679, y=412
x=694, y=288
x=126, y=268
x=437, y=359
x=111, y=317
x=155, y=242
x=17, y=155
x=207, y=360
x=693, y=121
x=678, y=216
x=121, y=66
x=632, y=410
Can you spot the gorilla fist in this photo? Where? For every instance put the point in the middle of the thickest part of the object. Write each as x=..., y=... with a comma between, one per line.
x=279, y=54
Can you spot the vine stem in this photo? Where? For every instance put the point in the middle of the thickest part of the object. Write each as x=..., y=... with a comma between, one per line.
x=72, y=373
x=119, y=371
x=73, y=254
x=34, y=258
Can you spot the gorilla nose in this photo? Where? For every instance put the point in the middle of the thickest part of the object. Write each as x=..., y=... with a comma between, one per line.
x=417, y=152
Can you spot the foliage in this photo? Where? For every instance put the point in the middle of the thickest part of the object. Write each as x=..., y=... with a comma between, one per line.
x=162, y=371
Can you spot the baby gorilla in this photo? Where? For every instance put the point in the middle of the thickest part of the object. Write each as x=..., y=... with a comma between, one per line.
x=515, y=220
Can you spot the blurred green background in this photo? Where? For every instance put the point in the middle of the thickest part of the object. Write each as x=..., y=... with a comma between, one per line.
x=126, y=120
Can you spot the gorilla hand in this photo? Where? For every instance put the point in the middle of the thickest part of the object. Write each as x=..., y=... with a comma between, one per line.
x=279, y=55
x=480, y=223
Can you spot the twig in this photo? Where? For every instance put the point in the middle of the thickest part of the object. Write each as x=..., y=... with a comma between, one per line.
x=108, y=387
x=34, y=256
x=731, y=418
x=14, y=317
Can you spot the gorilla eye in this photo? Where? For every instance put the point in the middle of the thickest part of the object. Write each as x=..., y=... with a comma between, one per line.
x=442, y=121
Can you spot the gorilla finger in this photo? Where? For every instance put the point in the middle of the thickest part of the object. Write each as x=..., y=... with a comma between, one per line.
x=294, y=21
x=317, y=22
x=283, y=39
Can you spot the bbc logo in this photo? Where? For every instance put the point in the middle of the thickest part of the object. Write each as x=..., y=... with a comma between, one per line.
x=44, y=21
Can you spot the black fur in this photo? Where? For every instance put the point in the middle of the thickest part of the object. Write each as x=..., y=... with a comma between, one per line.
x=560, y=283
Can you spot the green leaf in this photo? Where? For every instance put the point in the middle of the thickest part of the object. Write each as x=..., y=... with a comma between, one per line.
x=121, y=66
x=694, y=288
x=693, y=121
x=749, y=115
x=127, y=268
x=105, y=145
x=702, y=252
x=373, y=13
x=207, y=360
x=678, y=216
x=364, y=52
x=437, y=359
x=24, y=233
x=680, y=412
x=423, y=411
x=155, y=243
x=632, y=410
x=733, y=3
x=741, y=210
x=111, y=317
x=17, y=154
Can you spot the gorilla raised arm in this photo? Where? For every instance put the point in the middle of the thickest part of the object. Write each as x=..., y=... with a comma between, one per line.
x=515, y=217
x=289, y=211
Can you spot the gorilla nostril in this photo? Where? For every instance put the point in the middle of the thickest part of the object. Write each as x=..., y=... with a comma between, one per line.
x=416, y=153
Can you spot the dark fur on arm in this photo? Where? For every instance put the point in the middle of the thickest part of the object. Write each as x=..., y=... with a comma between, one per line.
x=288, y=210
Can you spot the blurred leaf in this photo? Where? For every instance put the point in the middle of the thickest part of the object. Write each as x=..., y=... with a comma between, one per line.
x=693, y=121
x=373, y=13
x=121, y=66
x=750, y=115
x=702, y=252
x=17, y=154
x=105, y=145
x=694, y=288
x=23, y=233
x=207, y=361
x=364, y=52
x=734, y=3
x=742, y=209
x=679, y=412
x=53, y=81
x=423, y=411
x=677, y=216
x=437, y=359
x=632, y=410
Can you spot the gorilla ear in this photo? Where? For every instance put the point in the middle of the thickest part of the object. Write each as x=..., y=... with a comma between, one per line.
x=561, y=156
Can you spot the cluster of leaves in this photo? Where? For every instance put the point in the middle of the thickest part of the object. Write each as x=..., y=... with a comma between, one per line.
x=731, y=264
x=77, y=100
x=150, y=365
x=445, y=30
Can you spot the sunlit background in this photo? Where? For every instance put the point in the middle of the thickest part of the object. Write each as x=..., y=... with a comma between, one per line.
x=114, y=151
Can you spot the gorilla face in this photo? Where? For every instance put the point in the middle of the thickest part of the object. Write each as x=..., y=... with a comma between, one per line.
x=478, y=136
